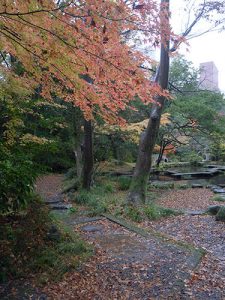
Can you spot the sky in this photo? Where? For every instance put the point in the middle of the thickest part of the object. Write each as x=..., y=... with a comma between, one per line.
x=208, y=47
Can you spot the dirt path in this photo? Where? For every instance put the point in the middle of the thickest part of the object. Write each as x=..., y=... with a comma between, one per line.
x=134, y=264
x=49, y=185
x=127, y=264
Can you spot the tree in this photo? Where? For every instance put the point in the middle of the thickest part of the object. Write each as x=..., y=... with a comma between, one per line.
x=140, y=177
x=137, y=192
x=196, y=116
x=76, y=50
x=60, y=45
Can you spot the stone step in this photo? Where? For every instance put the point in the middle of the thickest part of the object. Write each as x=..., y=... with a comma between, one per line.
x=195, y=212
x=53, y=200
x=218, y=191
x=197, y=185
x=60, y=206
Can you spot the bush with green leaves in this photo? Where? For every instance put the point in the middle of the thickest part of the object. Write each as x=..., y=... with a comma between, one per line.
x=17, y=177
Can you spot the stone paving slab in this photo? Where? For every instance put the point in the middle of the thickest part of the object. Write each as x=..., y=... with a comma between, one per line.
x=155, y=265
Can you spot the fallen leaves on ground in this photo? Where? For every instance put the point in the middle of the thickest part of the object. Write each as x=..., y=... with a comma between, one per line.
x=192, y=199
x=49, y=185
x=208, y=281
x=95, y=280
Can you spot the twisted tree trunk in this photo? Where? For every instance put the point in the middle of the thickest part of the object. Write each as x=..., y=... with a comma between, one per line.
x=137, y=192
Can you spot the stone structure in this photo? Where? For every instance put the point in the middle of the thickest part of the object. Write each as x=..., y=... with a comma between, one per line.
x=209, y=76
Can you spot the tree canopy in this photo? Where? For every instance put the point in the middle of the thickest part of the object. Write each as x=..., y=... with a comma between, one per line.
x=77, y=50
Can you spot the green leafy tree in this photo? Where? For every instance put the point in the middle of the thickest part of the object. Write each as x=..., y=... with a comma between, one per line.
x=196, y=116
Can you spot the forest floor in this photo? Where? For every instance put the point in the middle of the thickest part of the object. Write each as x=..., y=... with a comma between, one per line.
x=162, y=259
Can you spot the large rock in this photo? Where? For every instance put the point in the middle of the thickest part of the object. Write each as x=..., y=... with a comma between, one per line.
x=220, y=216
x=218, y=191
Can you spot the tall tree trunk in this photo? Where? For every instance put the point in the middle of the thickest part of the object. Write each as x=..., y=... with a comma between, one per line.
x=77, y=123
x=88, y=155
x=78, y=157
x=137, y=192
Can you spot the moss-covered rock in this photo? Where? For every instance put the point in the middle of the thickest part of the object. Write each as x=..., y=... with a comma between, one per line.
x=220, y=216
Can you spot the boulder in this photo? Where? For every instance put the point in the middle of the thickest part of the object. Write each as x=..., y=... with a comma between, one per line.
x=220, y=216
x=213, y=210
x=212, y=187
x=218, y=191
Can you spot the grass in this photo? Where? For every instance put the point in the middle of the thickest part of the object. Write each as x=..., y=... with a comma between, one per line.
x=27, y=247
x=182, y=186
x=218, y=198
x=162, y=186
x=109, y=196
x=124, y=183
x=154, y=212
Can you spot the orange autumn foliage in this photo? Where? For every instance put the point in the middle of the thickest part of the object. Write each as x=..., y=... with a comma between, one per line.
x=78, y=50
x=168, y=150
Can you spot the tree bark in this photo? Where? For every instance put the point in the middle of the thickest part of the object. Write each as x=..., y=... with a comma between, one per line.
x=88, y=159
x=137, y=192
x=78, y=157
x=161, y=152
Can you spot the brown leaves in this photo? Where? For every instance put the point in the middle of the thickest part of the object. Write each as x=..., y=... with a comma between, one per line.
x=191, y=199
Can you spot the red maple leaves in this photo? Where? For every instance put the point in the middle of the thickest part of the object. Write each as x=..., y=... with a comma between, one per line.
x=79, y=51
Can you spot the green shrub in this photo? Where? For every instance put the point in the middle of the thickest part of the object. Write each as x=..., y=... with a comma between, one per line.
x=83, y=197
x=124, y=183
x=133, y=213
x=109, y=188
x=151, y=212
x=17, y=177
x=166, y=212
x=192, y=157
x=73, y=210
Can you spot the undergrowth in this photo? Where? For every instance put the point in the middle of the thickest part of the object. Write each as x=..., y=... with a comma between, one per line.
x=218, y=198
x=31, y=244
x=109, y=196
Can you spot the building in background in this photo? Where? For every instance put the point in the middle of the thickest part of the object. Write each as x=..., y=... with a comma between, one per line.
x=209, y=76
